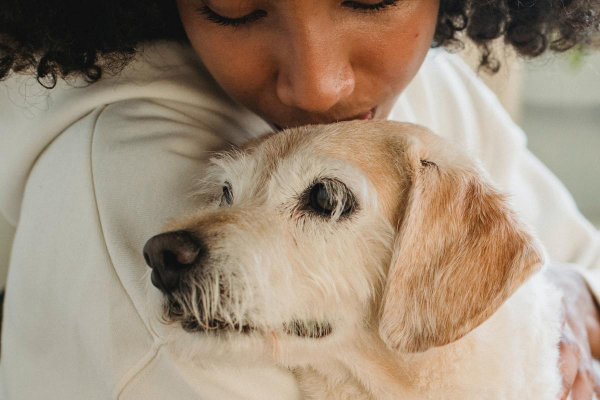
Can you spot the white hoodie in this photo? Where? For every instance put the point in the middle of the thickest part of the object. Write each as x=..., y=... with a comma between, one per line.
x=89, y=173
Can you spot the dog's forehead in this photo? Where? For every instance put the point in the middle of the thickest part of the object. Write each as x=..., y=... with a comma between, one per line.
x=369, y=146
x=376, y=148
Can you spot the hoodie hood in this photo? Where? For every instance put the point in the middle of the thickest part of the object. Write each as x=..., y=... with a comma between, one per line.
x=32, y=117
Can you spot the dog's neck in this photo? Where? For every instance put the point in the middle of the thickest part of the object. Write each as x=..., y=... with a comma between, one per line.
x=387, y=374
x=368, y=369
x=371, y=371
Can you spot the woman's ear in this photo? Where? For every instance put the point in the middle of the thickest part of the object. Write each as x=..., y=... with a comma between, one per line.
x=459, y=253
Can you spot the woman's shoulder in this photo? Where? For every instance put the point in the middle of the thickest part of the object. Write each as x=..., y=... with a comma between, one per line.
x=161, y=71
x=446, y=93
x=449, y=98
x=165, y=92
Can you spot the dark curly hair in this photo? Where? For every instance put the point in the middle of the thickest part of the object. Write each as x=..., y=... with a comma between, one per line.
x=68, y=38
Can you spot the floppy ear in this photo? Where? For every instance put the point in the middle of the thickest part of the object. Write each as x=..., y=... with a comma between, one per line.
x=458, y=254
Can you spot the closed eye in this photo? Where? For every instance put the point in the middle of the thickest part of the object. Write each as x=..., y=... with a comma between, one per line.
x=225, y=21
x=256, y=15
x=356, y=5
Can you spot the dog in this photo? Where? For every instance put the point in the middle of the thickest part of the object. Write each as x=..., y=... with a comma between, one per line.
x=374, y=259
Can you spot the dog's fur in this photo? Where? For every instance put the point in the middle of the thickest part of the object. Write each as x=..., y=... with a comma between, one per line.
x=428, y=288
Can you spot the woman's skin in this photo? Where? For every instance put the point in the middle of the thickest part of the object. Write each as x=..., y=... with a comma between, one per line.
x=297, y=62
x=580, y=341
x=312, y=61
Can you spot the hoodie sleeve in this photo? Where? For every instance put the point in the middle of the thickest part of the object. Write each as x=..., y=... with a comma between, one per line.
x=88, y=177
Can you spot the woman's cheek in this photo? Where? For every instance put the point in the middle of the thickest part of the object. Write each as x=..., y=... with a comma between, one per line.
x=239, y=70
x=235, y=58
x=392, y=51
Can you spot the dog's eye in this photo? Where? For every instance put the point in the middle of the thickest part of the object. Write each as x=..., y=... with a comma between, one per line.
x=328, y=197
x=227, y=197
x=320, y=199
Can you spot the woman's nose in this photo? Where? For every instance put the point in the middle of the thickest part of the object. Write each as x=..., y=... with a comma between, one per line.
x=315, y=74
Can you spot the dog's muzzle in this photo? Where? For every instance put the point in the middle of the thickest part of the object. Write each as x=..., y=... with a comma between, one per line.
x=171, y=255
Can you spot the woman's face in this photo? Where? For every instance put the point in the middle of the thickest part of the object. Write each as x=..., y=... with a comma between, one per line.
x=298, y=62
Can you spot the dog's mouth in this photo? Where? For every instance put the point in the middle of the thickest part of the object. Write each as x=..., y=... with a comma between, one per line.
x=174, y=312
x=310, y=329
x=303, y=329
x=214, y=325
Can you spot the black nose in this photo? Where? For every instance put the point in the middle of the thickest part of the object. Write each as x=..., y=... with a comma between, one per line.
x=170, y=255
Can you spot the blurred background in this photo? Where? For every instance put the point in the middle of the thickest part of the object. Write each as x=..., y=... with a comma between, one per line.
x=556, y=100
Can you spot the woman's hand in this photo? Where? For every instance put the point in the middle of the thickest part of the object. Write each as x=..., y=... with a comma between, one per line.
x=580, y=342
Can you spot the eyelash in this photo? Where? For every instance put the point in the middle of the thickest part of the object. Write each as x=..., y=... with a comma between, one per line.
x=212, y=16
x=370, y=7
x=224, y=21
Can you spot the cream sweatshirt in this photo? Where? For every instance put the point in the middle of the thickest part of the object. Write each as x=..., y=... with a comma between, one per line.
x=88, y=173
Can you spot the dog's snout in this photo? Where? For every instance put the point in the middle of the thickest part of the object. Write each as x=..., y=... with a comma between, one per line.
x=170, y=255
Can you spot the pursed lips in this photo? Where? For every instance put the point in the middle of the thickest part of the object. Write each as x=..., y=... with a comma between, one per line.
x=362, y=117
x=366, y=116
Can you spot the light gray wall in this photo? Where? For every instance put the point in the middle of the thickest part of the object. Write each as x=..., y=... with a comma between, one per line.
x=561, y=116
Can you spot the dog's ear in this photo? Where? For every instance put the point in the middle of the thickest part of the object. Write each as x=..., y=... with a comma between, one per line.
x=459, y=253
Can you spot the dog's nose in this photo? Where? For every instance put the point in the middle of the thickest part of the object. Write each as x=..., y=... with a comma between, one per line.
x=170, y=255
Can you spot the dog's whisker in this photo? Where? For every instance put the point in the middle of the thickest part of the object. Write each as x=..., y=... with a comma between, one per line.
x=206, y=304
x=194, y=304
x=216, y=292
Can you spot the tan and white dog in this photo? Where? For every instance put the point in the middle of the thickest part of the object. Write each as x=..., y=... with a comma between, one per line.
x=374, y=259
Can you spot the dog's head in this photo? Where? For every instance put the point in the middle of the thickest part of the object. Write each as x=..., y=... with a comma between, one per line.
x=318, y=232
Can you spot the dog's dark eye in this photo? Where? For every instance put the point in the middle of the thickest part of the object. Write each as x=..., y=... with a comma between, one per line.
x=320, y=199
x=328, y=197
x=227, y=197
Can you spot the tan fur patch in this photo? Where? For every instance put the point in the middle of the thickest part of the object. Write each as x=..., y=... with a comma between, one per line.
x=459, y=255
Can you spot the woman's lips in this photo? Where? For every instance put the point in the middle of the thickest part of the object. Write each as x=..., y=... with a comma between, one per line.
x=366, y=116
x=362, y=117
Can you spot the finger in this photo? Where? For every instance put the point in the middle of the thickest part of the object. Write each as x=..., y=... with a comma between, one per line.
x=596, y=382
x=583, y=387
x=569, y=367
x=570, y=358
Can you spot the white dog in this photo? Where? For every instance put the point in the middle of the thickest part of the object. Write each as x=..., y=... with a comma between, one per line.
x=373, y=259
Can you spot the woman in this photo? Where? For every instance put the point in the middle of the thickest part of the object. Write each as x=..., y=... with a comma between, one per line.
x=89, y=172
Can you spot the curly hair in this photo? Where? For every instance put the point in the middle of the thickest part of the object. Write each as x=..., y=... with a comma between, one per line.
x=70, y=38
